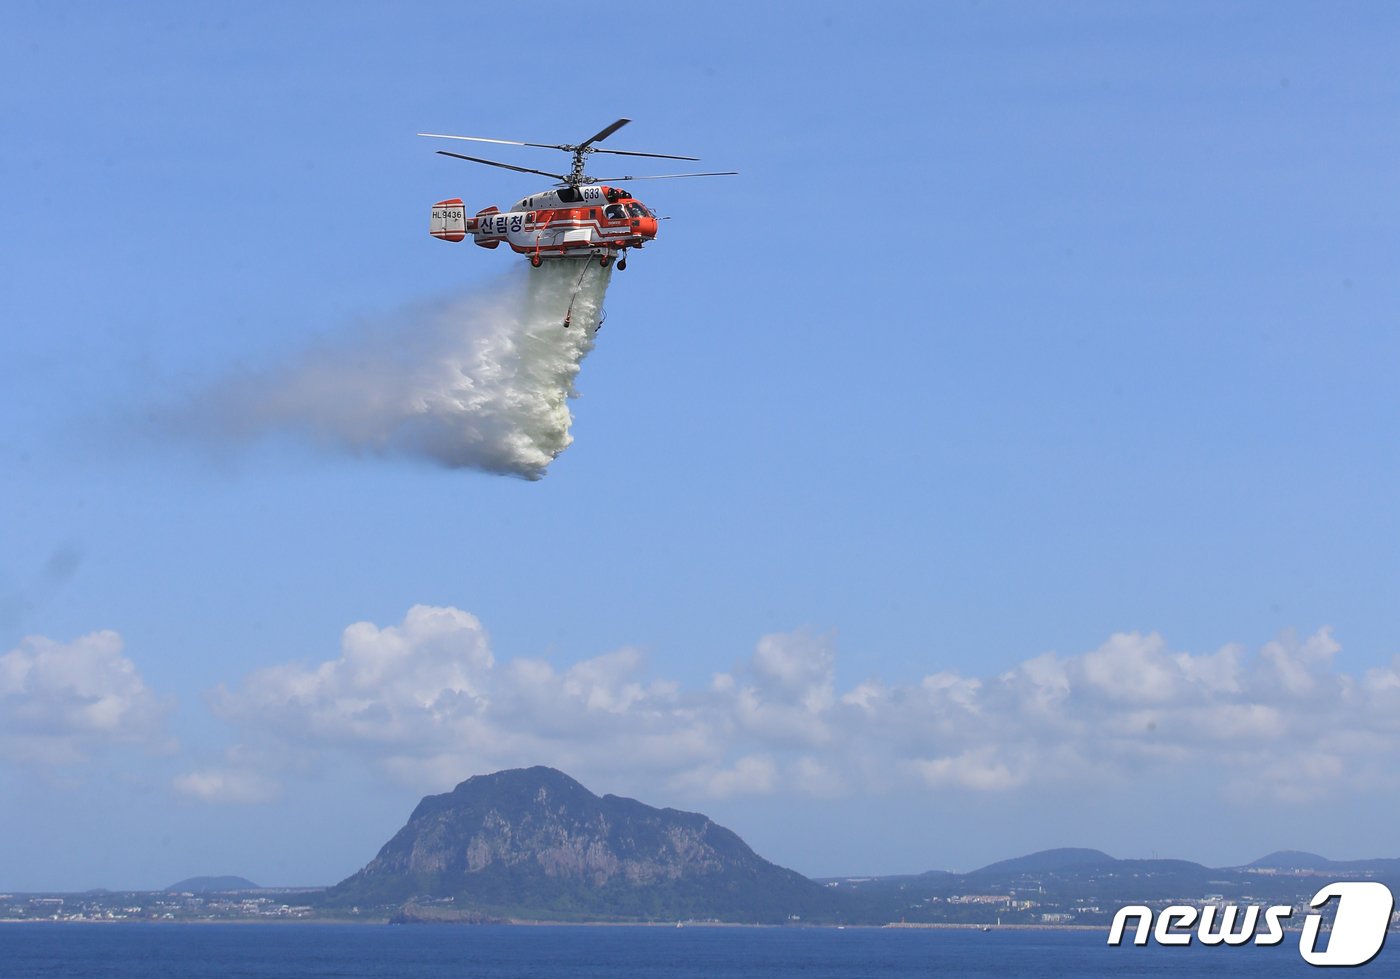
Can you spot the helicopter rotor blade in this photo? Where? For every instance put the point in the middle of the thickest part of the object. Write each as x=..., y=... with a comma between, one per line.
x=659, y=156
x=604, y=134
x=664, y=176
x=504, y=166
x=504, y=142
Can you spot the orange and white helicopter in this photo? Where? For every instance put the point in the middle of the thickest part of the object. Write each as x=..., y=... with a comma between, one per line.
x=581, y=216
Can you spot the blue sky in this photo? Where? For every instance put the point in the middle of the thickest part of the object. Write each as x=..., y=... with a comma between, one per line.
x=1006, y=459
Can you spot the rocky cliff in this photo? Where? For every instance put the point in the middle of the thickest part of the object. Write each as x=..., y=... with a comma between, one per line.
x=534, y=843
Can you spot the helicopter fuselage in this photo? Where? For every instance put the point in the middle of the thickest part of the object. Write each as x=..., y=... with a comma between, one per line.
x=565, y=222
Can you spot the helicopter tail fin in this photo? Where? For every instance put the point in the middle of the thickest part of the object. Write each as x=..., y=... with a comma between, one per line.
x=449, y=220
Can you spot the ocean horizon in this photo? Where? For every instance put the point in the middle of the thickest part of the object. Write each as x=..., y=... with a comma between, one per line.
x=258, y=950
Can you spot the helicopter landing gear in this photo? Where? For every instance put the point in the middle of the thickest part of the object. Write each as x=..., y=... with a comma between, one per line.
x=536, y=261
x=622, y=262
x=604, y=260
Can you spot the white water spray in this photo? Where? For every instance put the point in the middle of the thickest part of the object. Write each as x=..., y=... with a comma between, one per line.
x=481, y=382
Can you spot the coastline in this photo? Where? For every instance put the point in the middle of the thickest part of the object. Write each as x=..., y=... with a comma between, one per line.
x=545, y=923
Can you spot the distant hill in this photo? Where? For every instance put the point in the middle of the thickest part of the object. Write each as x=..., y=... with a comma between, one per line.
x=206, y=885
x=1087, y=884
x=1298, y=861
x=533, y=843
x=1291, y=860
x=1047, y=861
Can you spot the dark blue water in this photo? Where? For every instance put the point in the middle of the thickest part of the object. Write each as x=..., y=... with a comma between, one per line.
x=129, y=951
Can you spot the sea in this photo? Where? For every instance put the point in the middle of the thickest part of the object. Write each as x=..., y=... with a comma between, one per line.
x=257, y=951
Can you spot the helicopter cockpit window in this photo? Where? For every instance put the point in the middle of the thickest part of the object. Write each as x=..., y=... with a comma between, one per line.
x=638, y=211
x=614, y=211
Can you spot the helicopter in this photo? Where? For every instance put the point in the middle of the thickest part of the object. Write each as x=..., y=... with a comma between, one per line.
x=579, y=217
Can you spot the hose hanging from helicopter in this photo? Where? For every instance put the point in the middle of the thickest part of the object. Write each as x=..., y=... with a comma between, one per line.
x=573, y=296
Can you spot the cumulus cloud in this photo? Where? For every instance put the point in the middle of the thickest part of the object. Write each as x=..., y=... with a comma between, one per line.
x=388, y=686
x=226, y=786
x=429, y=701
x=752, y=774
x=976, y=768
x=60, y=703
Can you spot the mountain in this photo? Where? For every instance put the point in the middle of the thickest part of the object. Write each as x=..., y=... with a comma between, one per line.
x=1084, y=884
x=1047, y=861
x=205, y=885
x=533, y=843
x=1290, y=860
x=1386, y=869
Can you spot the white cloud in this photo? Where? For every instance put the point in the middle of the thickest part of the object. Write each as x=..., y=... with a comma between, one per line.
x=1133, y=669
x=226, y=785
x=785, y=689
x=977, y=768
x=794, y=667
x=389, y=685
x=60, y=703
x=1300, y=668
x=428, y=701
x=750, y=775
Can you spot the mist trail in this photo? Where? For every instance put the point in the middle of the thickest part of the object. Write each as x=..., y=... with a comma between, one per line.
x=480, y=382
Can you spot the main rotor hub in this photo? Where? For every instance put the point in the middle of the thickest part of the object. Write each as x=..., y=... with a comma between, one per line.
x=576, y=174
